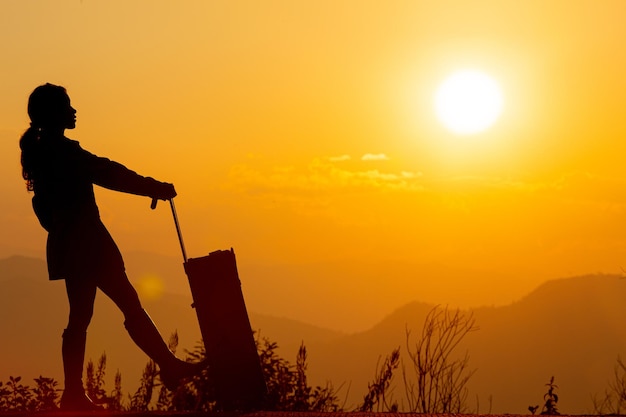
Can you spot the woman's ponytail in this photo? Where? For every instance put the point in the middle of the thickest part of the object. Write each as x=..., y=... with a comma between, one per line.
x=28, y=145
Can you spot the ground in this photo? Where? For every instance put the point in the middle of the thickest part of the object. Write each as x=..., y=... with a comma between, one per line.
x=255, y=414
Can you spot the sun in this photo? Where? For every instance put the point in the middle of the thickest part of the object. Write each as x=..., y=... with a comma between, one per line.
x=468, y=102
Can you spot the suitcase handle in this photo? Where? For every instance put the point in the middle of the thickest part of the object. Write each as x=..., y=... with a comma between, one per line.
x=180, y=235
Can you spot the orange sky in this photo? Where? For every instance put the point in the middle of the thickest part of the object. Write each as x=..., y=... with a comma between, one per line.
x=302, y=132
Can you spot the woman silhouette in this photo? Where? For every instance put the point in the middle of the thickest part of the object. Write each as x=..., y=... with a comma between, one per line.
x=79, y=247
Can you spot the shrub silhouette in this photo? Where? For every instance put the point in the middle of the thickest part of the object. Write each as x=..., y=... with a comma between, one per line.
x=377, y=390
x=18, y=397
x=94, y=381
x=45, y=394
x=438, y=381
x=550, y=398
x=613, y=401
x=287, y=385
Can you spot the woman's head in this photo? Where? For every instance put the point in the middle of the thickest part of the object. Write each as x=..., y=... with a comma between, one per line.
x=50, y=113
x=49, y=107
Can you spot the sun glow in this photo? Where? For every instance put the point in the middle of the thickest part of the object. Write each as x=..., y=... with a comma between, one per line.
x=468, y=102
x=150, y=287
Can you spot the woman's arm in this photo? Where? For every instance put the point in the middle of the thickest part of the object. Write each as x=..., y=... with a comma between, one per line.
x=115, y=176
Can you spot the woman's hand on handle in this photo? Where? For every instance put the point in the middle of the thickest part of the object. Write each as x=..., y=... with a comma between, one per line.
x=165, y=191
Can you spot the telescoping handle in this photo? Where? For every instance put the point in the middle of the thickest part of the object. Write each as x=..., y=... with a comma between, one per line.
x=180, y=235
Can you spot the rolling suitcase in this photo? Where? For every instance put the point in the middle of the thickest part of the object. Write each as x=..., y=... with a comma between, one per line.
x=226, y=332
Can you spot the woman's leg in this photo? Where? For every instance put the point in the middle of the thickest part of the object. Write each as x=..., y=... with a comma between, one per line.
x=137, y=322
x=142, y=330
x=81, y=295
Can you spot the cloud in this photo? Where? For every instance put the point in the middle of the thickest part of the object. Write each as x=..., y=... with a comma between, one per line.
x=408, y=174
x=573, y=205
x=319, y=175
x=588, y=187
x=374, y=157
x=340, y=158
x=324, y=177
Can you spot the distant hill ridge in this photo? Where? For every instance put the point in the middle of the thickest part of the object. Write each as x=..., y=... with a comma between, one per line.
x=570, y=328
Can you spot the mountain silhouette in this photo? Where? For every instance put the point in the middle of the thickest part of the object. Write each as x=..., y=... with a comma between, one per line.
x=569, y=328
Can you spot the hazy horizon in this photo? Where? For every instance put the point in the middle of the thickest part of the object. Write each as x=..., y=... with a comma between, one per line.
x=270, y=289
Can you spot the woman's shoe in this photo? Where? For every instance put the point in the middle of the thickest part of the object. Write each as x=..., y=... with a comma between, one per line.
x=78, y=401
x=174, y=373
